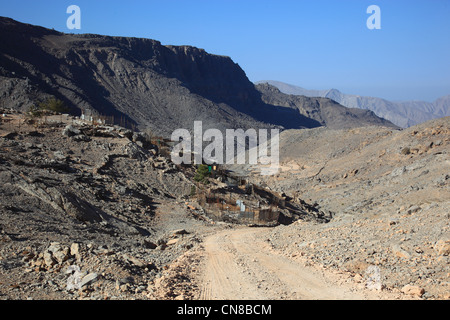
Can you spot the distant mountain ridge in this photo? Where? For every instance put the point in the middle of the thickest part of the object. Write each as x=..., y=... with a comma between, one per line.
x=324, y=111
x=149, y=85
x=404, y=114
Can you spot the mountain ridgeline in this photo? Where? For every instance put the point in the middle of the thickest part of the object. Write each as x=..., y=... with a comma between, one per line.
x=402, y=113
x=150, y=85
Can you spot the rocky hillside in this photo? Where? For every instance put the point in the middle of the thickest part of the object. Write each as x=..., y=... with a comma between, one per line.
x=87, y=212
x=322, y=111
x=138, y=81
x=389, y=192
x=404, y=114
x=100, y=212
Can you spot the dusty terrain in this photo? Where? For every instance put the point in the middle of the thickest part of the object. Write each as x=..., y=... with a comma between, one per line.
x=95, y=200
x=242, y=264
x=389, y=194
x=389, y=237
x=100, y=215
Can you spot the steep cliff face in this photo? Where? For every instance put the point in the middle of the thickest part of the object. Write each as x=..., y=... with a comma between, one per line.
x=163, y=87
x=138, y=81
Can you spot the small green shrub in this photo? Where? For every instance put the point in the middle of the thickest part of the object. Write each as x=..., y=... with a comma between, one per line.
x=53, y=105
x=202, y=173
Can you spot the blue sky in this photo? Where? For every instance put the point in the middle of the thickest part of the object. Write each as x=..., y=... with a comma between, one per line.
x=315, y=44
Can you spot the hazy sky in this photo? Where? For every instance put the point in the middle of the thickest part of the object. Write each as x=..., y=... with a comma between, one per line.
x=315, y=44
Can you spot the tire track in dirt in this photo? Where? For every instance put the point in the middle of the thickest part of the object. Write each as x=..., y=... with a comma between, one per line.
x=239, y=264
x=224, y=278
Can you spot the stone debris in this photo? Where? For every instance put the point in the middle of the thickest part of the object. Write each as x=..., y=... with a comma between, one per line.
x=392, y=214
x=87, y=208
x=413, y=290
x=109, y=218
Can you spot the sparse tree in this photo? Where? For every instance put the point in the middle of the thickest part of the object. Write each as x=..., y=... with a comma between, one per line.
x=54, y=105
x=202, y=173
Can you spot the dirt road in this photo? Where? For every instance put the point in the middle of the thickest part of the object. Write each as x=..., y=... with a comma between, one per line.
x=240, y=264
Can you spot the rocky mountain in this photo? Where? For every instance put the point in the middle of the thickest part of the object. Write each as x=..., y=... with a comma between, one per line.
x=81, y=208
x=404, y=114
x=100, y=212
x=389, y=194
x=139, y=82
x=322, y=111
x=93, y=211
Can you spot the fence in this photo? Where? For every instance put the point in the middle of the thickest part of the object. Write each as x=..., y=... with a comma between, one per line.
x=262, y=217
x=222, y=209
